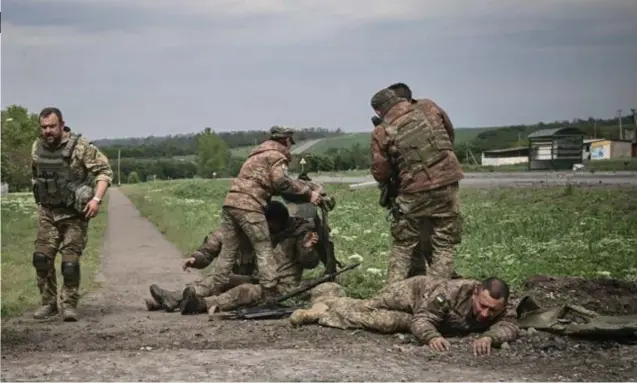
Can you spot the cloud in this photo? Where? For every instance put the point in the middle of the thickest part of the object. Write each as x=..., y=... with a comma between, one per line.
x=315, y=63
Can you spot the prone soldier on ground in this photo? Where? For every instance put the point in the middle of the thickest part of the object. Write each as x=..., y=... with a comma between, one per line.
x=263, y=175
x=70, y=177
x=419, y=153
x=282, y=227
x=427, y=307
x=294, y=251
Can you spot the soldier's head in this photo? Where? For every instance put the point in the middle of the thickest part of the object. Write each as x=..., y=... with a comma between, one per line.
x=490, y=299
x=384, y=100
x=282, y=134
x=402, y=90
x=51, y=125
x=277, y=215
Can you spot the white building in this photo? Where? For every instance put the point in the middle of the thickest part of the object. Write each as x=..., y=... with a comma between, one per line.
x=602, y=149
x=509, y=156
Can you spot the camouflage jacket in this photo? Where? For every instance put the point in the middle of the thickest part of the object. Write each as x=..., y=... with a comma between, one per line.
x=86, y=159
x=445, y=307
x=289, y=254
x=445, y=172
x=263, y=175
x=437, y=115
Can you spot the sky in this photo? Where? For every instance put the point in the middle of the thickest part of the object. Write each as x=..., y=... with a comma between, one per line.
x=155, y=67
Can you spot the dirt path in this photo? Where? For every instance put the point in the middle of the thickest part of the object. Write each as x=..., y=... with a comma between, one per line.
x=116, y=339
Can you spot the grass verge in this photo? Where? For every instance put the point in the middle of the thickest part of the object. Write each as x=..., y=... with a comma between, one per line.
x=19, y=227
x=512, y=233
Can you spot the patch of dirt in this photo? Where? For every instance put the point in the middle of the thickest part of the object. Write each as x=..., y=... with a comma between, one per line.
x=605, y=296
x=117, y=339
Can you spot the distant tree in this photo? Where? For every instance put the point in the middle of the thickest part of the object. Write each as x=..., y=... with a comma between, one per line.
x=213, y=154
x=19, y=130
x=133, y=178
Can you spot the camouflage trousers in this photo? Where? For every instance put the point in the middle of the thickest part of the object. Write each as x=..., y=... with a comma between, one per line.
x=206, y=287
x=248, y=295
x=388, y=312
x=68, y=237
x=424, y=235
x=254, y=226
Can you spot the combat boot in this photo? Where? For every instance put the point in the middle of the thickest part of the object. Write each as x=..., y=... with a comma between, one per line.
x=169, y=300
x=69, y=314
x=307, y=316
x=151, y=305
x=191, y=303
x=46, y=311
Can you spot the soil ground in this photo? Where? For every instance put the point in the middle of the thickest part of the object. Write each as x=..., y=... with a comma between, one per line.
x=117, y=339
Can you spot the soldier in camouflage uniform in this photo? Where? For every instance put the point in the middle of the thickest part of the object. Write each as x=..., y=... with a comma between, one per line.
x=294, y=251
x=70, y=179
x=427, y=307
x=280, y=224
x=429, y=172
x=263, y=175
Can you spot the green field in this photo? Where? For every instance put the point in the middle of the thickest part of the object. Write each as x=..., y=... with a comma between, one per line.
x=19, y=226
x=511, y=233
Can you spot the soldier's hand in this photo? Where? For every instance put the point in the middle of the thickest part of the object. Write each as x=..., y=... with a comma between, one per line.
x=188, y=264
x=91, y=209
x=315, y=197
x=310, y=240
x=439, y=344
x=482, y=346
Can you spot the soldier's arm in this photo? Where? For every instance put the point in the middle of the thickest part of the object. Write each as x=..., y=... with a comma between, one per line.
x=446, y=121
x=308, y=258
x=34, y=172
x=505, y=329
x=380, y=165
x=285, y=185
x=428, y=315
x=97, y=164
x=208, y=251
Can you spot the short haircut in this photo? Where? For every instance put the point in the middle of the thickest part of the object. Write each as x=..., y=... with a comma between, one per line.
x=401, y=90
x=277, y=211
x=497, y=288
x=51, y=110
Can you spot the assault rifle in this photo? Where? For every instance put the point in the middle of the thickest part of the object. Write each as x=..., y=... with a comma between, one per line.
x=275, y=309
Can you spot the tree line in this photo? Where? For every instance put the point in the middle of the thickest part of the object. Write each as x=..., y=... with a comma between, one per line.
x=207, y=153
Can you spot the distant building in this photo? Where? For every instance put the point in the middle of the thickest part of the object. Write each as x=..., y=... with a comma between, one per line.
x=509, y=156
x=602, y=149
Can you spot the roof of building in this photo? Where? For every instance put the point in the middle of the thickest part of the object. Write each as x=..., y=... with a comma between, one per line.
x=513, y=149
x=566, y=131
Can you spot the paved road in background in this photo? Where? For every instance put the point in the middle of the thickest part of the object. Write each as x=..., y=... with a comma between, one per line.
x=520, y=179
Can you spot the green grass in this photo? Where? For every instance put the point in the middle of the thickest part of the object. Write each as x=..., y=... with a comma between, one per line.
x=511, y=233
x=19, y=227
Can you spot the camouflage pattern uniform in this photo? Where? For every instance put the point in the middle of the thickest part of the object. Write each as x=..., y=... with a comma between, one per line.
x=425, y=306
x=428, y=197
x=290, y=258
x=63, y=180
x=263, y=175
x=244, y=271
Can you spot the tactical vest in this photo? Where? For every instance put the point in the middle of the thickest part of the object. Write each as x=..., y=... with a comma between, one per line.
x=55, y=182
x=419, y=144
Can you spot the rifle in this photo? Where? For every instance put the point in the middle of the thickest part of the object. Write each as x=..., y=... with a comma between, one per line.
x=274, y=309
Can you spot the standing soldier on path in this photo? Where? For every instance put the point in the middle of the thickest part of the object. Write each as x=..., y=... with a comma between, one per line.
x=65, y=169
x=420, y=151
x=263, y=175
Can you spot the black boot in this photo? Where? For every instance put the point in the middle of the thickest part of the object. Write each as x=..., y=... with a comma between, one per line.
x=168, y=300
x=191, y=303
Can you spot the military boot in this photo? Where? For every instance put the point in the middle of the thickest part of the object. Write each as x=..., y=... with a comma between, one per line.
x=169, y=300
x=46, y=311
x=152, y=305
x=307, y=316
x=191, y=303
x=68, y=313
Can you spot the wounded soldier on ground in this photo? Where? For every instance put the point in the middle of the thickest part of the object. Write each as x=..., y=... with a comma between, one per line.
x=430, y=308
x=293, y=241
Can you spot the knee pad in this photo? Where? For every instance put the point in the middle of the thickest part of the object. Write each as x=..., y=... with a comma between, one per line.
x=71, y=270
x=42, y=262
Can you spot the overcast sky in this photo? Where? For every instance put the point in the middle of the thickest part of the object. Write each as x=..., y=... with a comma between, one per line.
x=154, y=67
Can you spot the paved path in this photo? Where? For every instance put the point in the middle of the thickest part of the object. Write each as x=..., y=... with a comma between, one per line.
x=117, y=340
